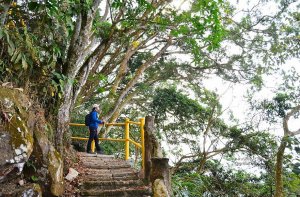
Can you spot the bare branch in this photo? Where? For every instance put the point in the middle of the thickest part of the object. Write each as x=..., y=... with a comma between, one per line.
x=286, y=130
x=103, y=18
x=75, y=36
x=209, y=123
x=179, y=163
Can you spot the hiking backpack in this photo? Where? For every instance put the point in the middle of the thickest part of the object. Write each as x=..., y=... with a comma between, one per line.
x=87, y=119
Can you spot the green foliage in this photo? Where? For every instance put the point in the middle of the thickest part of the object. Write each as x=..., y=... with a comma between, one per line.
x=291, y=184
x=36, y=43
x=59, y=81
x=202, y=21
x=34, y=39
x=20, y=53
x=277, y=107
x=219, y=181
x=182, y=120
x=296, y=166
x=34, y=178
x=137, y=60
x=179, y=105
x=30, y=164
x=101, y=29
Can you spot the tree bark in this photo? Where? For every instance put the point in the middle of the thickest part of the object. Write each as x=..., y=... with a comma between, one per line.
x=63, y=118
x=81, y=54
x=280, y=153
x=278, y=168
x=149, y=127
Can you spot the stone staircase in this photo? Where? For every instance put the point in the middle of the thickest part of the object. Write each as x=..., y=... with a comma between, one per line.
x=105, y=175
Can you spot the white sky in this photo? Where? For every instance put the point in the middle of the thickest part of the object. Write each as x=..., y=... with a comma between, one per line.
x=233, y=95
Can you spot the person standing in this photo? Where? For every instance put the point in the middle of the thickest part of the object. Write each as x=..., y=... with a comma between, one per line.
x=93, y=126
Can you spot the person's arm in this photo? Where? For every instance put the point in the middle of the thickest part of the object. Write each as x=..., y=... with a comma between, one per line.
x=94, y=118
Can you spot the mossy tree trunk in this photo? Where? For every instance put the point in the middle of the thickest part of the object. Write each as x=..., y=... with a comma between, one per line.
x=279, y=192
x=84, y=52
x=278, y=170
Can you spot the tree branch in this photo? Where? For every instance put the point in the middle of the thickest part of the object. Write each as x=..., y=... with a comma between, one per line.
x=286, y=130
x=103, y=18
x=137, y=75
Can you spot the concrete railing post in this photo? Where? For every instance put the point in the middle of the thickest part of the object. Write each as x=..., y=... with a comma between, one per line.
x=160, y=170
x=156, y=167
x=149, y=127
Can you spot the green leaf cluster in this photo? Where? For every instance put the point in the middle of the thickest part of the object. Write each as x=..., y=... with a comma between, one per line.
x=219, y=181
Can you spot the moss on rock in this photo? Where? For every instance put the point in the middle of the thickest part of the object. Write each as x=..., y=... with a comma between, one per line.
x=17, y=137
x=25, y=133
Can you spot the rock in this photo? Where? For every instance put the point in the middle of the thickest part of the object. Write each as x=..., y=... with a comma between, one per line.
x=21, y=182
x=72, y=174
x=16, y=138
x=27, y=190
x=24, y=134
x=56, y=172
x=51, y=158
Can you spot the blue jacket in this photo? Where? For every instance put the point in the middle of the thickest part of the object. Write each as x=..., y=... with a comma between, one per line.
x=94, y=121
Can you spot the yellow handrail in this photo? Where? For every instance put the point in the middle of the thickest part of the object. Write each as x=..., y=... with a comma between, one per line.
x=137, y=123
x=76, y=124
x=142, y=120
x=106, y=124
x=127, y=139
x=103, y=139
x=137, y=144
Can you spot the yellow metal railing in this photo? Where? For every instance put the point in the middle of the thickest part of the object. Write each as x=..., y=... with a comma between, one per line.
x=127, y=139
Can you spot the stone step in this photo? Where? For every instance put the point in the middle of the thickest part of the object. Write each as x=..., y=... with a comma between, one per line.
x=111, y=173
x=122, y=195
x=116, y=176
x=124, y=174
x=107, y=178
x=110, y=185
x=97, y=171
x=129, y=192
x=105, y=159
x=103, y=156
x=100, y=163
x=96, y=165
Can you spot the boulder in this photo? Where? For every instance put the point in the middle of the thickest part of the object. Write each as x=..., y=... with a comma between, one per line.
x=24, y=139
x=16, y=138
x=50, y=160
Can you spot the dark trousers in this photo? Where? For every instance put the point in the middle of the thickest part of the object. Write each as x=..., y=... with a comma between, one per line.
x=93, y=136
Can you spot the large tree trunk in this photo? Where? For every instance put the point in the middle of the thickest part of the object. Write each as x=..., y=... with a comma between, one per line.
x=83, y=52
x=280, y=153
x=278, y=170
x=63, y=119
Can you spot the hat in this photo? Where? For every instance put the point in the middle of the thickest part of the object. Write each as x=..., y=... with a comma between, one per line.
x=96, y=105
